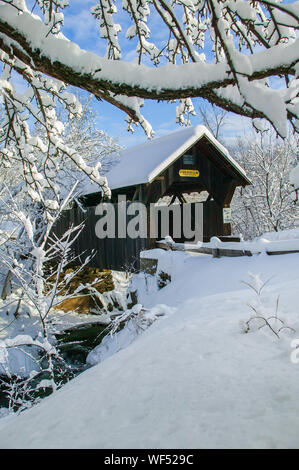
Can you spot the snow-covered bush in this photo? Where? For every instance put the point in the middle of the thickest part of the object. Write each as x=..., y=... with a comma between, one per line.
x=35, y=270
x=25, y=386
x=263, y=316
x=44, y=179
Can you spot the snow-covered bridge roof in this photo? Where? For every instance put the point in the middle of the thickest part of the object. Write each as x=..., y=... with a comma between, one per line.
x=143, y=163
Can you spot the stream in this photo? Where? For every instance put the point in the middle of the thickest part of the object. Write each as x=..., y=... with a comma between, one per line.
x=74, y=344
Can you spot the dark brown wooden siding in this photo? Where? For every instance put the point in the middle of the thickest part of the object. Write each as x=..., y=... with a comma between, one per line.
x=110, y=253
x=123, y=253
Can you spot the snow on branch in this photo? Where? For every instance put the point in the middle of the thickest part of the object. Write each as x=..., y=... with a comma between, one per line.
x=226, y=51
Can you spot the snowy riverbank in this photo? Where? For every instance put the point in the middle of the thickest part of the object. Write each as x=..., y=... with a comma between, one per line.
x=194, y=378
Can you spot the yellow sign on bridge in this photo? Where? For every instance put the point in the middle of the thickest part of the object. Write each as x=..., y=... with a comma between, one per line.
x=189, y=173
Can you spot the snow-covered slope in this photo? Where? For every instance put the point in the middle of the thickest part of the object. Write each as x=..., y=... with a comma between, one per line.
x=194, y=379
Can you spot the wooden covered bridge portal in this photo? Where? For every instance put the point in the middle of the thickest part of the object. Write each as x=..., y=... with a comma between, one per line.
x=171, y=167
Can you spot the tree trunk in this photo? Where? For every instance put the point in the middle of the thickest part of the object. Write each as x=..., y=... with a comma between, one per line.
x=6, y=285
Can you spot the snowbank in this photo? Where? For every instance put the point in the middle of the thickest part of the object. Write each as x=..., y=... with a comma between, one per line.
x=292, y=234
x=191, y=380
x=283, y=241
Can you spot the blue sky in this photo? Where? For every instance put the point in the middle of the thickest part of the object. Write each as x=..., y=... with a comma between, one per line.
x=81, y=27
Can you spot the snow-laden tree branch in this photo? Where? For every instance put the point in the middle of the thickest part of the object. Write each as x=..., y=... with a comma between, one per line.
x=225, y=51
x=37, y=275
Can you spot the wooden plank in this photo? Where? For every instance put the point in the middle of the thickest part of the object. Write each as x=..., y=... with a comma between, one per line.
x=288, y=252
x=217, y=252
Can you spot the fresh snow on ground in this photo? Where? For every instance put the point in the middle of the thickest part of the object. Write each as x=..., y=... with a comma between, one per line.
x=194, y=378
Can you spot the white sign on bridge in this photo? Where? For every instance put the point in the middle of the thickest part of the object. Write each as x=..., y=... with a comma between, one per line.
x=227, y=215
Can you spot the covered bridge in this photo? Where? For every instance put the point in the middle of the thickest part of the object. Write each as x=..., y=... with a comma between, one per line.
x=184, y=162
